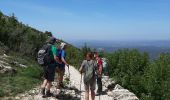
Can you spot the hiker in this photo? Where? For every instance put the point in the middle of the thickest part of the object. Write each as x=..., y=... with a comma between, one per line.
x=105, y=66
x=99, y=73
x=88, y=67
x=61, y=67
x=50, y=60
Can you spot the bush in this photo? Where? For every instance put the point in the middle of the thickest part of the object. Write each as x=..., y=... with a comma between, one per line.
x=19, y=37
x=148, y=79
x=157, y=78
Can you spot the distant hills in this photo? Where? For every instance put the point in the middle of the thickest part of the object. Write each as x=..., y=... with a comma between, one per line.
x=153, y=47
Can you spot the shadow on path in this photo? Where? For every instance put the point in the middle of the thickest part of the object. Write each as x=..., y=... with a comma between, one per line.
x=64, y=96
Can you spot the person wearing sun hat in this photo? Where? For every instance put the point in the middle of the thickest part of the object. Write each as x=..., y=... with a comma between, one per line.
x=61, y=67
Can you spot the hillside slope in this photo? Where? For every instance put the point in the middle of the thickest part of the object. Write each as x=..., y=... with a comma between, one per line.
x=19, y=44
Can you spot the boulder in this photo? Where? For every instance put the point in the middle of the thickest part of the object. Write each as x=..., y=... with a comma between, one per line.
x=118, y=87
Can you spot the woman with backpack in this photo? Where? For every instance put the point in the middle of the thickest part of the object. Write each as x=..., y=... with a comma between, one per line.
x=88, y=67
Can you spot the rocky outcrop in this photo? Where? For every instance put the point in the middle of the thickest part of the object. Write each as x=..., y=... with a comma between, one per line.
x=117, y=92
x=4, y=66
x=7, y=66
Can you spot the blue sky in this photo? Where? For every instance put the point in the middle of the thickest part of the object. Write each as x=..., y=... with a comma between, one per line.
x=95, y=19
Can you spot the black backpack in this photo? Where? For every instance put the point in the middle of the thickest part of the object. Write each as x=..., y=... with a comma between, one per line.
x=44, y=55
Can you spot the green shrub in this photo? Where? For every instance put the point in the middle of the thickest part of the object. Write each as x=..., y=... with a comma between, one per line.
x=157, y=78
x=148, y=79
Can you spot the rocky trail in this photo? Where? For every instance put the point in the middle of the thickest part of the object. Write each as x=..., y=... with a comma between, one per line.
x=72, y=90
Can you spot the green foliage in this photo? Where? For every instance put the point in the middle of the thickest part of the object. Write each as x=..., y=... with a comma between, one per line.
x=148, y=79
x=157, y=78
x=126, y=66
x=23, y=43
x=19, y=37
x=24, y=79
x=74, y=56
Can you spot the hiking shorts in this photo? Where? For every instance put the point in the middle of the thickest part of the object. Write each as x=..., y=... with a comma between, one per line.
x=60, y=69
x=49, y=72
x=90, y=85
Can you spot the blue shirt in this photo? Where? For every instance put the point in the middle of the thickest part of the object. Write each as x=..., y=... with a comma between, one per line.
x=63, y=55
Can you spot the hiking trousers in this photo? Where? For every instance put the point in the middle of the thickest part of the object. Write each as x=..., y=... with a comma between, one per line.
x=99, y=84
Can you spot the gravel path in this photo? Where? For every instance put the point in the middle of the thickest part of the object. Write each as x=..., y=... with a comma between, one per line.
x=75, y=78
x=72, y=90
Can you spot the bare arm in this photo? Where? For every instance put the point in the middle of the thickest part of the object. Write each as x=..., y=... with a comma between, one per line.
x=64, y=61
x=56, y=59
x=100, y=69
x=81, y=68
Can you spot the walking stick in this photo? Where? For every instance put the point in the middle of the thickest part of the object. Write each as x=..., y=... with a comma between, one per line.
x=80, y=85
x=69, y=76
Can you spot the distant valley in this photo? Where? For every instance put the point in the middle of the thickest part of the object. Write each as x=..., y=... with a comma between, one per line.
x=154, y=48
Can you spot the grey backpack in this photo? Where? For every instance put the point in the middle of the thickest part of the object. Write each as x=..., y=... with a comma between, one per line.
x=44, y=54
x=89, y=71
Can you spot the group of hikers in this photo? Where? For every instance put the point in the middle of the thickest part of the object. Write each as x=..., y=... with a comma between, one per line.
x=53, y=60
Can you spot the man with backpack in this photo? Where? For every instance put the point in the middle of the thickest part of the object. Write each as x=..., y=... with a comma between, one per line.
x=88, y=67
x=61, y=67
x=99, y=72
x=47, y=58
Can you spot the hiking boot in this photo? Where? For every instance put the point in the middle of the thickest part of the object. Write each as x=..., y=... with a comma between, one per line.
x=97, y=94
x=48, y=94
x=43, y=91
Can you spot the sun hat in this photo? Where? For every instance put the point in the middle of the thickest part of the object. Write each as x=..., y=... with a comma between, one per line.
x=62, y=45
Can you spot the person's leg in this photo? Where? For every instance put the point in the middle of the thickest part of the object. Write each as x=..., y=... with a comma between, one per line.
x=92, y=88
x=86, y=87
x=45, y=75
x=92, y=94
x=61, y=77
x=48, y=87
x=50, y=79
x=86, y=95
x=99, y=84
x=44, y=83
x=43, y=87
x=58, y=78
x=49, y=84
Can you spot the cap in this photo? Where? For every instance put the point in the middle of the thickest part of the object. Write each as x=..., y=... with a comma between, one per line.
x=52, y=40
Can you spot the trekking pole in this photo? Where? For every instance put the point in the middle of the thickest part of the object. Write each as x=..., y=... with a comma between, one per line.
x=99, y=96
x=80, y=85
x=69, y=77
